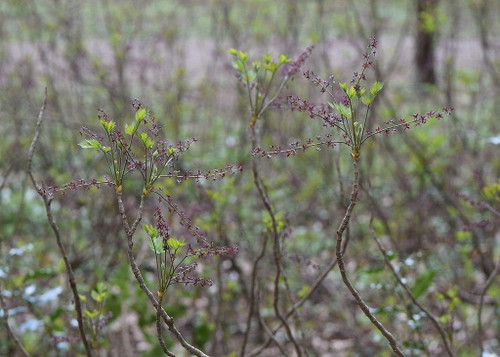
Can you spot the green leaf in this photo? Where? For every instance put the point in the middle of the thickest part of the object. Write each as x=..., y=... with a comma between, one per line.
x=96, y=296
x=102, y=287
x=351, y=92
x=129, y=129
x=239, y=66
x=176, y=243
x=107, y=125
x=358, y=127
x=492, y=192
x=284, y=59
x=249, y=76
x=147, y=141
x=243, y=56
x=150, y=230
x=256, y=65
x=90, y=314
x=271, y=66
x=140, y=114
x=304, y=291
x=343, y=86
x=156, y=244
x=90, y=144
x=341, y=109
x=367, y=99
x=104, y=124
x=360, y=92
x=111, y=125
x=445, y=319
x=376, y=87
x=423, y=283
x=233, y=52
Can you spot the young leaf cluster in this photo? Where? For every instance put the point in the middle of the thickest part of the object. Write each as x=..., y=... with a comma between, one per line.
x=96, y=317
x=136, y=150
x=258, y=78
x=353, y=115
x=170, y=255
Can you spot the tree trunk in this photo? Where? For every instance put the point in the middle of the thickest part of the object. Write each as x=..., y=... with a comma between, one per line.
x=424, y=42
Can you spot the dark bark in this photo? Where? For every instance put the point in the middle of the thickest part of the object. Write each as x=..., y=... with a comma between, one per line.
x=425, y=59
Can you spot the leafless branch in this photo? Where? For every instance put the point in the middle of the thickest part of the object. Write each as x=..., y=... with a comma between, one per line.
x=277, y=253
x=158, y=329
x=340, y=259
x=410, y=294
x=486, y=286
x=266, y=327
x=47, y=200
x=11, y=333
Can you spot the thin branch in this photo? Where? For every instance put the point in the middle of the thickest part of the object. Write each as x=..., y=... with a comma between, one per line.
x=38, y=130
x=266, y=327
x=276, y=244
x=130, y=231
x=486, y=286
x=410, y=294
x=298, y=304
x=277, y=255
x=317, y=282
x=55, y=228
x=276, y=95
x=340, y=258
x=5, y=177
x=296, y=313
x=158, y=329
x=252, y=294
x=11, y=333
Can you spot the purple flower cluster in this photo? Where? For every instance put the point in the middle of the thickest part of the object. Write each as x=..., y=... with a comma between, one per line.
x=297, y=147
x=211, y=174
x=73, y=186
x=475, y=226
x=294, y=67
x=319, y=82
x=183, y=276
x=207, y=249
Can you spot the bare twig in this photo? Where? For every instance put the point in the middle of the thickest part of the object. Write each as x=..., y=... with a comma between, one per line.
x=259, y=184
x=340, y=258
x=486, y=286
x=158, y=329
x=130, y=231
x=319, y=279
x=47, y=200
x=314, y=286
x=410, y=294
x=11, y=333
x=295, y=311
x=298, y=304
x=252, y=294
x=5, y=177
x=266, y=327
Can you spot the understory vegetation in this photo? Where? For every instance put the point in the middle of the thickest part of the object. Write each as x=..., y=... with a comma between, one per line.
x=250, y=178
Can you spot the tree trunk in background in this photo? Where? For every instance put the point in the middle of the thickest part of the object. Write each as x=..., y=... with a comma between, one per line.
x=424, y=46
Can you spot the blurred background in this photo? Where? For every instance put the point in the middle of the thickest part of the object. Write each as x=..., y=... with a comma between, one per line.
x=428, y=190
